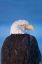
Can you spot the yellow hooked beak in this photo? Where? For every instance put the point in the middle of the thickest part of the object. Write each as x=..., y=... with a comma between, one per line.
x=28, y=26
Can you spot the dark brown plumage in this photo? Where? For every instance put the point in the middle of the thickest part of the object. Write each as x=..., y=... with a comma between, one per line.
x=20, y=49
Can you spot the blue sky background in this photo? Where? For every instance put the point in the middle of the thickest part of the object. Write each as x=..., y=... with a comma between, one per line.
x=12, y=10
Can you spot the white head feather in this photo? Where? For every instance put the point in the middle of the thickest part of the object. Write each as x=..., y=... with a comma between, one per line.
x=17, y=27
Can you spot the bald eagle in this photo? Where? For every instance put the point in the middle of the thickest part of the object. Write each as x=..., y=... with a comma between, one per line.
x=20, y=27
x=20, y=47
